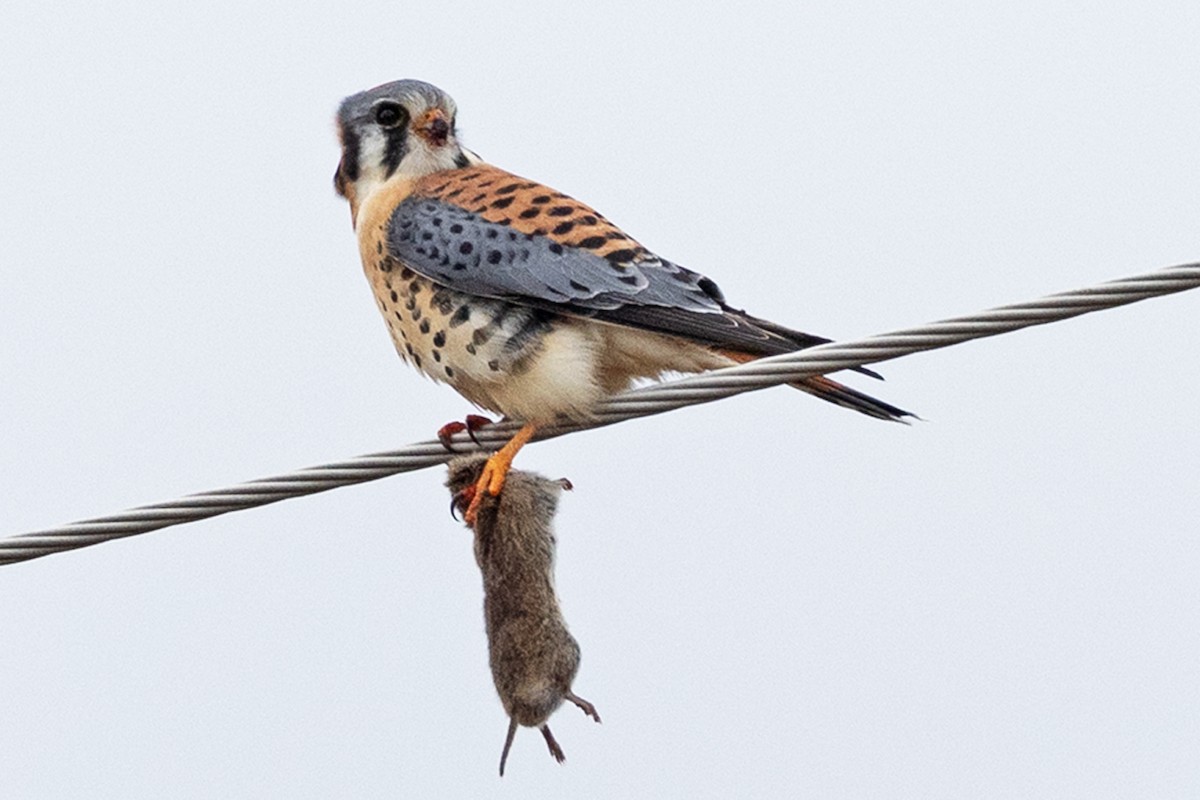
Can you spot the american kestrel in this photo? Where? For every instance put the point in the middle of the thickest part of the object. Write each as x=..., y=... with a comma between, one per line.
x=526, y=301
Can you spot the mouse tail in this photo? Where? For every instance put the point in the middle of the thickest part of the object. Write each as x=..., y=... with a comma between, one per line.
x=508, y=740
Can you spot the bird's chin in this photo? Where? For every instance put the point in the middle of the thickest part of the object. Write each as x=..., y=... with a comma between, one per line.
x=430, y=154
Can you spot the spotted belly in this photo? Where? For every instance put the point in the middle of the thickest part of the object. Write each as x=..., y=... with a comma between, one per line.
x=523, y=362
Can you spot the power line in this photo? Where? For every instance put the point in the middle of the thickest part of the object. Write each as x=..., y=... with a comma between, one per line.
x=656, y=399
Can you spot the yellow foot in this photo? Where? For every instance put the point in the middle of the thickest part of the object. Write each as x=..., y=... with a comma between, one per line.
x=495, y=470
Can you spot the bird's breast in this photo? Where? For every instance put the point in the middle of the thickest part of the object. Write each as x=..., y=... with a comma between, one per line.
x=519, y=361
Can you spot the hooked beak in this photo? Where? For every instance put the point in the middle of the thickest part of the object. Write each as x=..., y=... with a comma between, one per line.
x=433, y=127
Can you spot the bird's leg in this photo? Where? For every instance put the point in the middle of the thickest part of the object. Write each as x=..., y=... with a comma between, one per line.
x=474, y=422
x=495, y=470
x=587, y=707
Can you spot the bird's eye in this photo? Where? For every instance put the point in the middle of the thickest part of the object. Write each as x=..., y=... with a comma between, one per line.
x=389, y=115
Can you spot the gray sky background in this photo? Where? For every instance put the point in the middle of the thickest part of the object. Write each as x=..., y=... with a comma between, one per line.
x=774, y=597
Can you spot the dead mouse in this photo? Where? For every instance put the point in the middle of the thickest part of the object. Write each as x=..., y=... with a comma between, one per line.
x=533, y=656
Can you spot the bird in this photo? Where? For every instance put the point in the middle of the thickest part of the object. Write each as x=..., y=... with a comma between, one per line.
x=529, y=303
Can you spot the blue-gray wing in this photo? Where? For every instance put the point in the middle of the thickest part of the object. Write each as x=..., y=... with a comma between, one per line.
x=460, y=249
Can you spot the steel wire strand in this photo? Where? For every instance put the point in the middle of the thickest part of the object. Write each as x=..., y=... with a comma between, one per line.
x=646, y=401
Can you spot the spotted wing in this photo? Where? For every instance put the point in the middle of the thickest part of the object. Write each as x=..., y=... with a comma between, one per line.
x=461, y=249
x=486, y=232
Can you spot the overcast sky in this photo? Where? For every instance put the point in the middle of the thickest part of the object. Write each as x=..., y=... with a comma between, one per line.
x=774, y=597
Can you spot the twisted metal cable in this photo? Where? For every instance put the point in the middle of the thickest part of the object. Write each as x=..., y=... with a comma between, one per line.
x=655, y=399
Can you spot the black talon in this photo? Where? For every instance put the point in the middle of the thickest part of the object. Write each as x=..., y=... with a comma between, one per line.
x=460, y=502
x=475, y=422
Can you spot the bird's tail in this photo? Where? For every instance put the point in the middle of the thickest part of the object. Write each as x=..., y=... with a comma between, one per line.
x=839, y=394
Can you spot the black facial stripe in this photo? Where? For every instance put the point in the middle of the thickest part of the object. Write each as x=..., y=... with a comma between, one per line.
x=397, y=146
x=350, y=148
x=461, y=161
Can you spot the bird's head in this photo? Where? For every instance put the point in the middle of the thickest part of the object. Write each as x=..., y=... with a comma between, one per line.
x=403, y=128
